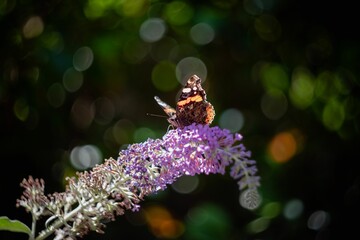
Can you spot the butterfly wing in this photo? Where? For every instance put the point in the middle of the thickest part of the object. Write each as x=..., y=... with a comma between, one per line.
x=166, y=107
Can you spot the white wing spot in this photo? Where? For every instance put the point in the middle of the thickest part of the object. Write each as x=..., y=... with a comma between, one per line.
x=186, y=90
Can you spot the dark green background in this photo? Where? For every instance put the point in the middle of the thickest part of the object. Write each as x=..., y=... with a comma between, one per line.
x=317, y=37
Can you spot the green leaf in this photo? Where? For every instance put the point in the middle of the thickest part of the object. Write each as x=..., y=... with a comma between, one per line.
x=13, y=225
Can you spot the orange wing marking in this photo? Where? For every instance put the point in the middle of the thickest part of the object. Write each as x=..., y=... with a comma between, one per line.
x=196, y=98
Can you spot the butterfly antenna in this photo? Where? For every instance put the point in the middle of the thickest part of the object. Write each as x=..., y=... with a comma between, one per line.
x=155, y=115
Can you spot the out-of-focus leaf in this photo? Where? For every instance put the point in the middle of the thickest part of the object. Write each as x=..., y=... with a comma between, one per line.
x=7, y=224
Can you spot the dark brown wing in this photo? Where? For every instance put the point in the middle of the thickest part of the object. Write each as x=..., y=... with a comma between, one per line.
x=192, y=106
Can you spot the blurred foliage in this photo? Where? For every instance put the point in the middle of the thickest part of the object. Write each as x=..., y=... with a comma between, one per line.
x=77, y=79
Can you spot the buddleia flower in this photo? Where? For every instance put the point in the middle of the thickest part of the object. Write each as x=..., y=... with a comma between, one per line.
x=109, y=189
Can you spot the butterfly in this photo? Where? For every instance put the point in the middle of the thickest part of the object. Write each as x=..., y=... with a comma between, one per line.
x=191, y=107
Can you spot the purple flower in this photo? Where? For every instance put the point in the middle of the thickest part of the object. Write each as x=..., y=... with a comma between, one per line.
x=192, y=150
x=142, y=169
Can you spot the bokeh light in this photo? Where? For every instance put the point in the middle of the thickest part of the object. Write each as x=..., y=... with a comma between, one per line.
x=186, y=184
x=188, y=66
x=302, y=87
x=207, y=221
x=272, y=75
x=282, y=147
x=202, y=33
x=21, y=109
x=162, y=224
x=94, y=9
x=178, y=12
x=318, y=220
x=132, y=8
x=333, y=114
x=33, y=27
x=271, y=210
x=72, y=80
x=129, y=8
x=258, y=225
x=143, y=133
x=293, y=209
x=274, y=104
x=122, y=131
x=83, y=58
x=163, y=76
x=53, y=41
x=232, y=119
x=152, y=30
x=84, y=157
